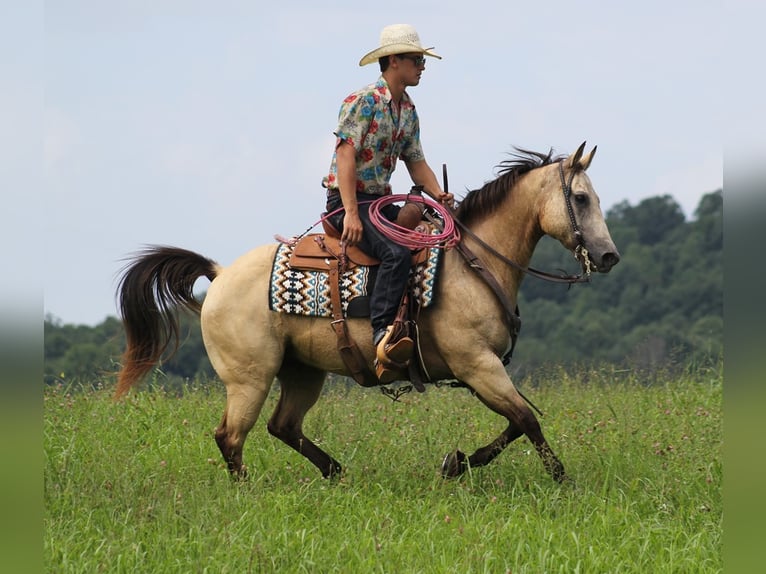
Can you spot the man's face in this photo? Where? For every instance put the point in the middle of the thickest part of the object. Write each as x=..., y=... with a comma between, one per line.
x=411, y=67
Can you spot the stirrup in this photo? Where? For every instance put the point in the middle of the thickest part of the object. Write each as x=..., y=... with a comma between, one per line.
x=390, y=372
x=396, y=354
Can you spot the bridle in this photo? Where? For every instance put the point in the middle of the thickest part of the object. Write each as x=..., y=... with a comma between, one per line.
x=580, y=251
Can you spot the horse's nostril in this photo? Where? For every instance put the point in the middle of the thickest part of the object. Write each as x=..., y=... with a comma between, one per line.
x=610, y=259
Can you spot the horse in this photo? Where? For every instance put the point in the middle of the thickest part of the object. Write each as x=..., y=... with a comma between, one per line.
x=463, y=335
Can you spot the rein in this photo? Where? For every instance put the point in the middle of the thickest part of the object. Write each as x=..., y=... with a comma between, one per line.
x=528, y=270
x=581, y=253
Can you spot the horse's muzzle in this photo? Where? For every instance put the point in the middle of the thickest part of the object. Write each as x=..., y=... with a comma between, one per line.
x=607, y=260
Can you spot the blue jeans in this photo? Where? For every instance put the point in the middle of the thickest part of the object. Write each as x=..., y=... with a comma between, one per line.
x=395, y=259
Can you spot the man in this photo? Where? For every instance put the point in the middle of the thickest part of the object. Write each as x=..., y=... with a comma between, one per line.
x=378, y=125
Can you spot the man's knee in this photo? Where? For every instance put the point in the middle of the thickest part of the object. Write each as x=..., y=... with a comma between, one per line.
x=400, y=256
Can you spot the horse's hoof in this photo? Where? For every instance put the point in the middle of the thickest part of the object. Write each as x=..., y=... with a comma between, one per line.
x=454, y=464
x=556, y=469
x=568, y=481
x=334, y=471
x=238, y=475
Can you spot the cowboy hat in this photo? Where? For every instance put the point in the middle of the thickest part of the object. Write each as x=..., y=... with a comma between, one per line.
x=397, y=39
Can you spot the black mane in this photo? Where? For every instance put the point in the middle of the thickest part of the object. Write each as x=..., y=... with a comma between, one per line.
x=483, y=201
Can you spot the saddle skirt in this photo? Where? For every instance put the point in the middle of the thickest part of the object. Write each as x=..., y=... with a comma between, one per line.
x=300, y=278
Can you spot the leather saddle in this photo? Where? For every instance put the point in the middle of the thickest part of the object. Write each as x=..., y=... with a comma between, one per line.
x=316, y=252
x=323, y=252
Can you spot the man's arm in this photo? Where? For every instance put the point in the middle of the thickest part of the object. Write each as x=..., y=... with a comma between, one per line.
x=422, y=174
x=345, y=159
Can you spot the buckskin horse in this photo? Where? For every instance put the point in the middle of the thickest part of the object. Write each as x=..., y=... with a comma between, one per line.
x=463, y=336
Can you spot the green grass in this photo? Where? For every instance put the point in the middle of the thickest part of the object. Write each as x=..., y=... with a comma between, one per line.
x=139, y=486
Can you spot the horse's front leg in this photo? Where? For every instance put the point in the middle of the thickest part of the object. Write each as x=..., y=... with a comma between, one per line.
x=494, y=388
x=456, y=462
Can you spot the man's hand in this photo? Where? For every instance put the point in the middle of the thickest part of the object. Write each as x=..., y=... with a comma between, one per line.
x=447, y=199
x=352, y=229
x=422, y=174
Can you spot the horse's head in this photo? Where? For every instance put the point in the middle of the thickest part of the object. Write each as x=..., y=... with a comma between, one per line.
x=571, y=212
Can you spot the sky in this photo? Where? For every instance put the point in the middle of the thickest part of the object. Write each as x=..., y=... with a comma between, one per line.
x=208, y=125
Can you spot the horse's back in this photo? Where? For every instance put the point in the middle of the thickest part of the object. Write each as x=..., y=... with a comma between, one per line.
x=237, y=301
x=247, y=272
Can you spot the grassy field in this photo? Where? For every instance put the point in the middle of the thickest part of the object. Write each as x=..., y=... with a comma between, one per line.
x=139, y=486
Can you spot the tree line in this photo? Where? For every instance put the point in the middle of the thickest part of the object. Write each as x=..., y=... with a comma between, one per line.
x=660, y=307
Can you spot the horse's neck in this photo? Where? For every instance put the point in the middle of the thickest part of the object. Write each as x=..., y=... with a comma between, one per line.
x=513, y=231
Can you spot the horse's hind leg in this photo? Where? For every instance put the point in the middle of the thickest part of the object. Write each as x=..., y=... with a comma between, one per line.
x=301, y=386
x=244, y=401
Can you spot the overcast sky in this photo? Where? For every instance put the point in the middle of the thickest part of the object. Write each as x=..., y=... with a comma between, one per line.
x=208, y=125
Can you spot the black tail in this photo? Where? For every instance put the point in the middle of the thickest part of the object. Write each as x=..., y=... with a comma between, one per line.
x=158, y=281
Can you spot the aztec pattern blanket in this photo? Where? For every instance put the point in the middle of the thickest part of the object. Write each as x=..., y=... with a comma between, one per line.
x=306, y=292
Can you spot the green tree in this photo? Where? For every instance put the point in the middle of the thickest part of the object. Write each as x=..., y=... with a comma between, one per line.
x=662, y=303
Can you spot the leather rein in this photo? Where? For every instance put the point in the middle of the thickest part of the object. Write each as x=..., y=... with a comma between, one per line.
x=580, y=252
x=510, y=311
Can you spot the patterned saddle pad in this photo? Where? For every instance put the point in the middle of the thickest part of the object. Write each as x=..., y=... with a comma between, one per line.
x=306, y=292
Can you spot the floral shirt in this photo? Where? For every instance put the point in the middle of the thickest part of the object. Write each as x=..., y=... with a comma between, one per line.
x=380, y=132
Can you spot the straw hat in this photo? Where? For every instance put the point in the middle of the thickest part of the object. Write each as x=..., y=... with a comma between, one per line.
x=397, y=39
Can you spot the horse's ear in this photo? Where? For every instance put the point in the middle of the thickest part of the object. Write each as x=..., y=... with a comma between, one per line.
x=585, y=161
x=574, y=159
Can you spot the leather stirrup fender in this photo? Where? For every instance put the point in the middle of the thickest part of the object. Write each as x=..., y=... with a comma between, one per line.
x=349, y=352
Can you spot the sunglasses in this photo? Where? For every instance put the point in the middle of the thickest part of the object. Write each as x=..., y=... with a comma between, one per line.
x=417, y=60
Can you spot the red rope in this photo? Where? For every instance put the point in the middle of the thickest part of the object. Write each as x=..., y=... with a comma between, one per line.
x=415, y=238
x=412, y=238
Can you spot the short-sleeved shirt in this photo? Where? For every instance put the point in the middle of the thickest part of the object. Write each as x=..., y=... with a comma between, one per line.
x=380, y=133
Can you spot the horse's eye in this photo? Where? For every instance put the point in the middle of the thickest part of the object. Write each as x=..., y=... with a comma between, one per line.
x=581, y=199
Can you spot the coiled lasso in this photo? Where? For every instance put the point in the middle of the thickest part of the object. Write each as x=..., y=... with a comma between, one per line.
x=447, y=237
